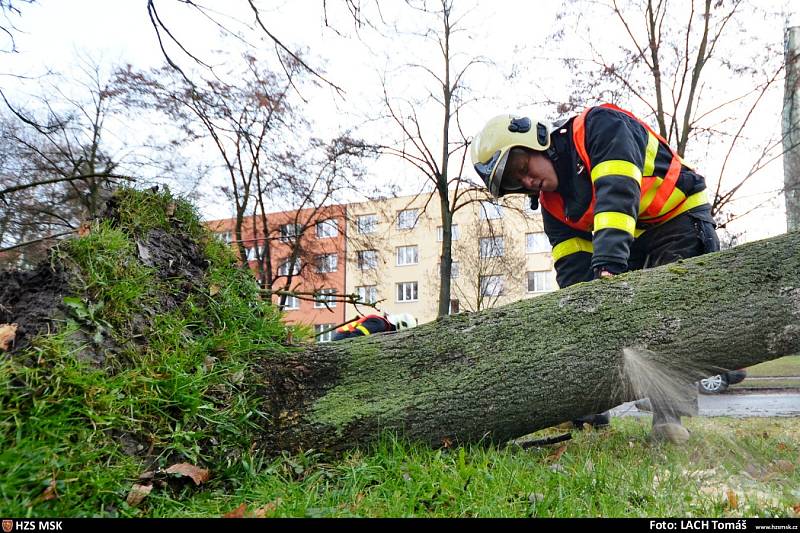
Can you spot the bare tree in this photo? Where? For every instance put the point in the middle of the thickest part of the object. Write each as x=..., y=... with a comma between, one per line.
x=244, y=120
x=436, y=149
x=490, y=266
x=692, y=68
x=51, y=180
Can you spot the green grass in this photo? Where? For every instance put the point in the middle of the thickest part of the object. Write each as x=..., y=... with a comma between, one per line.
x=612, y=473
x=785, y=366
x=180, y=385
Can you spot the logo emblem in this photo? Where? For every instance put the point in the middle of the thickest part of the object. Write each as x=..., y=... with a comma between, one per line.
x=8, y=525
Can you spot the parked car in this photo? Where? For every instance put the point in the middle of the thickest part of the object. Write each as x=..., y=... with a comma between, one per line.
x=720, y=382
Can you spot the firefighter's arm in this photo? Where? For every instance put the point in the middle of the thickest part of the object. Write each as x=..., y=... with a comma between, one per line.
x=572, y=251
x=615, y=145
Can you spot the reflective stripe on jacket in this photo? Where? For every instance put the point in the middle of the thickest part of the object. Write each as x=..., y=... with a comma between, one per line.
x=617, y=178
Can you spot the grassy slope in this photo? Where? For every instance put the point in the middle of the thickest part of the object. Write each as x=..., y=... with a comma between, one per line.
x=785, y=366
x=76, y=436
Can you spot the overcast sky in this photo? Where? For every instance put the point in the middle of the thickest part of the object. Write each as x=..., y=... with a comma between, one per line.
x=119, y=32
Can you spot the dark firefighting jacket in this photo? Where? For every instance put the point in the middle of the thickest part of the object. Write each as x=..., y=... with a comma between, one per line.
x=366, y=325
x=616, y=179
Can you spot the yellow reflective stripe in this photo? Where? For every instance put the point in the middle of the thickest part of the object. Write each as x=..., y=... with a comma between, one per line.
x=695, y=200
x=650, y=155
x=610, y=219
x=571, y=246
x=617, y=167
x=672, y=202
x=647, y=199
x=362, y=329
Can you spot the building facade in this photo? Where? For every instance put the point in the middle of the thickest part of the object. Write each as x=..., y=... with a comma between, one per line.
x=388, y=253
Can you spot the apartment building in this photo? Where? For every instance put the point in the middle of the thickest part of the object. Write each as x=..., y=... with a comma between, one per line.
x=388, y=251
x=307, y=251
x=500, y=254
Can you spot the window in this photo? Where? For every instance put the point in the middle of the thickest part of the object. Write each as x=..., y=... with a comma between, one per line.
x=491, y=211
x=290, y=231
x=292, y=302
x=284, y=269
x=453, y=270
x=407, y=291
x=324, y=337
x=252, y=253
x=225, y=236
x=367, y=224
x=492, y=247
x=327, y=228
x=455, y=233
x=407, y=255
x=327, y=262
x=367, y=294
x=537, y=243
x=491, y=285
x=539, y=281
x=367, y=259
x=325, y=298
x=407, y=219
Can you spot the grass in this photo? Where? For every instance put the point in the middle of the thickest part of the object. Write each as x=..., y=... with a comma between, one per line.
x=178, y=385
x=730, y=468
x=785, y=366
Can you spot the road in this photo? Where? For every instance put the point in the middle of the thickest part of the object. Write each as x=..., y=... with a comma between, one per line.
x=739, y=404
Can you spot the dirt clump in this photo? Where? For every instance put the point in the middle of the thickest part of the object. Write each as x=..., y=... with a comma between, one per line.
x=33, y=299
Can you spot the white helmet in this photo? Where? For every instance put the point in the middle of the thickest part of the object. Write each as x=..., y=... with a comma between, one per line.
x=402, y=321
x=490, y=148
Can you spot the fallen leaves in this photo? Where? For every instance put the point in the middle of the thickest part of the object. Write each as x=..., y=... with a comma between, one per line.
x=140, y=491
x=8, y=332
x=261, y=512
x=198, y=475
x=733, y=499
x=556, y=455
x=85, y=229
x=137, y=494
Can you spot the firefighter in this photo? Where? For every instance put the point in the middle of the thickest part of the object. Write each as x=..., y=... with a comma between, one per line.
x=615, y=197
x=369, y=324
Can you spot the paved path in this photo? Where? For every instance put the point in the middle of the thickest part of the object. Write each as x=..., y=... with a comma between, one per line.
x=738, y=405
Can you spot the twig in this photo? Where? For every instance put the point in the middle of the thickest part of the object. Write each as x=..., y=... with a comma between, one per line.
x=20, y=245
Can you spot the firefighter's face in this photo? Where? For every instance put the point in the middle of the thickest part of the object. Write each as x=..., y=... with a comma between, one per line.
x=532, y=171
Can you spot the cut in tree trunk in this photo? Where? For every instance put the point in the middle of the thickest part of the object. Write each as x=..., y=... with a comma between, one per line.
x=505, y=372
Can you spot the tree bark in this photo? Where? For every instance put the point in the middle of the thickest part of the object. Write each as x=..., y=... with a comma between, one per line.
x=505, y=372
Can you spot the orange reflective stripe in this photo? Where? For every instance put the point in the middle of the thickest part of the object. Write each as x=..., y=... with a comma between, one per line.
x=579, y=136
x=666, y=188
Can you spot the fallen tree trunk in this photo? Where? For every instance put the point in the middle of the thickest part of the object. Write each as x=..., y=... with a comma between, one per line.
x=506, y=372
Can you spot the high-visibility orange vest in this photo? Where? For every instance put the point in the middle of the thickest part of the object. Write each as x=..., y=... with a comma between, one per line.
x=359, y=325
x=650, y=205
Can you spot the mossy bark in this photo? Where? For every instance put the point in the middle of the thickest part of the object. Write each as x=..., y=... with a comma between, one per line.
x=506, y=372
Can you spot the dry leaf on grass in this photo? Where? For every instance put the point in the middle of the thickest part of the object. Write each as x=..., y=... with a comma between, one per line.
x=213, y=290
x=8, y=332
x=237, y=513
x=733, y=500
x=171, y=209
x=137, y=494
x=50, y=492
x=556, y=455
x=268, y=509
x=782, y=465
x=85, y=229
x=198, y=475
